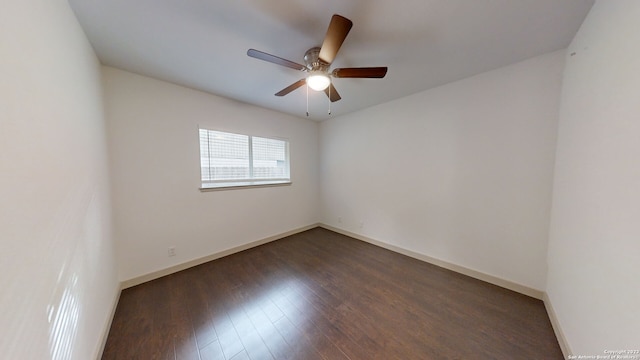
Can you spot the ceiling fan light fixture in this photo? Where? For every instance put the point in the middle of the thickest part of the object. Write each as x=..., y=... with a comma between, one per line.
x=318, y=60
x=318, y=81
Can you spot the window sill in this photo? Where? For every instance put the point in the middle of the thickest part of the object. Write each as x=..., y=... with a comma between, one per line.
x=243, y=185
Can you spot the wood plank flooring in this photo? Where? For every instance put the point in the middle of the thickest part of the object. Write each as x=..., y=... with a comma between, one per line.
x=322, y=295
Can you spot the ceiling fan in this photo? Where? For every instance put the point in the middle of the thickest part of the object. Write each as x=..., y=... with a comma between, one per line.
x=318, y=60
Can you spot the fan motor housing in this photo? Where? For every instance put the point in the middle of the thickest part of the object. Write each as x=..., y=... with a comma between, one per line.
x=313, y=62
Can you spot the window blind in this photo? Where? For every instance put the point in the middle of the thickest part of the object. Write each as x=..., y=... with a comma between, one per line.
x=228, y=157
x=269, y=158
x=223, y=156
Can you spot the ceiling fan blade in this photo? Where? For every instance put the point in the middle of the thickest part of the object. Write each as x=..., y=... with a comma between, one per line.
x=336, y=33
x=291, y=87
x=332, y=94
x=274, y=59
x=363, y=72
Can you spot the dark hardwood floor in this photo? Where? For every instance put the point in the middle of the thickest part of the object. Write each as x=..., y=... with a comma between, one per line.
x=322, y=295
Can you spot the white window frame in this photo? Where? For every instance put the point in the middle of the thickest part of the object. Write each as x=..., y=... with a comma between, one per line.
x=251, y=181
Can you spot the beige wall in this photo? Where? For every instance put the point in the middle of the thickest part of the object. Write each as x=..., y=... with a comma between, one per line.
x=57, y=273
x=461, y=173
x=594, y=246
x=154, y=152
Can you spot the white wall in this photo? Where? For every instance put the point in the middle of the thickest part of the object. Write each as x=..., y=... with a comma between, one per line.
x=461, y=173
x=594, y=246
x=154, y=148
x=57, y=273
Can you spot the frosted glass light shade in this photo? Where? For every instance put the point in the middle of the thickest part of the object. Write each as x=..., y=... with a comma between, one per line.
x=318, y=81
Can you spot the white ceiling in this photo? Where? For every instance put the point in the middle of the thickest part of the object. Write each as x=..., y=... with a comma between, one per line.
x=202, y=44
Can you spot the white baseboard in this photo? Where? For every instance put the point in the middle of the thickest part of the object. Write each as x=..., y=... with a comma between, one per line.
x=562, y=340
x=173, y=269
x=538, y=294
x=105, y=331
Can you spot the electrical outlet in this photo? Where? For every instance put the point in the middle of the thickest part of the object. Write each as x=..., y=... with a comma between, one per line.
x=361, y=224
x=339, y=220
x=172, y=251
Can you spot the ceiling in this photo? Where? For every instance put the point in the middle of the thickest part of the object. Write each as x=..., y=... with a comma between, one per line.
x=202, y=44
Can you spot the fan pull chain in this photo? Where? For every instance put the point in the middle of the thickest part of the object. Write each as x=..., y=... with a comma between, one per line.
x=307, y=100
x=329, y=98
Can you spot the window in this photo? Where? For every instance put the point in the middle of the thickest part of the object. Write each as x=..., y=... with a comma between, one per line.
x=235, y=160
